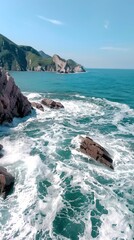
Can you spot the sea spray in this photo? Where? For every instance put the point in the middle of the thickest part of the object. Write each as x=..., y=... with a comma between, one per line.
x=60, y=193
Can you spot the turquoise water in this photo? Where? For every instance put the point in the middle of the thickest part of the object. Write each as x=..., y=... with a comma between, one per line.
x=60, y=193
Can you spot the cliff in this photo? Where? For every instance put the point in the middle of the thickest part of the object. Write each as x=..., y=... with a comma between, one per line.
x=12, y=102
x=66, y=66
x=25, y=58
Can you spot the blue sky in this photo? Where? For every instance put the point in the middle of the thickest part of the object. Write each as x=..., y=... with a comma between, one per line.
x=95, y=33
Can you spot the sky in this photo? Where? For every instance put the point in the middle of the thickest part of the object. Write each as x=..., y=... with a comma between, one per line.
x=94, y=33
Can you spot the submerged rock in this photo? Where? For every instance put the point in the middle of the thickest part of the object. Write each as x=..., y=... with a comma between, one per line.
x=51, y=103
x=6, y=182
x=12, y=102
x=96, y=151
x=38, y=106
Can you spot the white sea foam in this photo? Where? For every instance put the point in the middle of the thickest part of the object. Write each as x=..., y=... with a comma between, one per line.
x=24, y=167
x=32, y=96
x=81, y=108
x=79, y=96
x=29, y=210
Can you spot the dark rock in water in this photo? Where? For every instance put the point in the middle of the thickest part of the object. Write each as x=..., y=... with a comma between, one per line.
x=38, y=106
x=96, y=151
x=12, y=102
x=6, y=182
x=1, y=147
x=1, y=154
x=51, y=104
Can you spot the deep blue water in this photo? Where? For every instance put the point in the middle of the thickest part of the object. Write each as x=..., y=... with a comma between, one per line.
x=59, y=193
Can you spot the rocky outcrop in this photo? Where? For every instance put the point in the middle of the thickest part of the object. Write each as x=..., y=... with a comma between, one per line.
x=1, y=154
x=12, y=102
x=38, y=106
x=78, y=69
x=1, y=147
x=59, y=63
x=68, y=66
x=6, y=182
x=96, y=151
x=51, y=103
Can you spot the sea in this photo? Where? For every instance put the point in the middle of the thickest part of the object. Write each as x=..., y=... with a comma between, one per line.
x=59, y=193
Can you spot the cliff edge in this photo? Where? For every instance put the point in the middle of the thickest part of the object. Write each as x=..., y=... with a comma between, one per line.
x=66, y=66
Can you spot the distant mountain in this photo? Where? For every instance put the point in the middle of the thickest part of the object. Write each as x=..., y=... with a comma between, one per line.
x=11, y=56
x=25, y=58
x=44, y=55
x=66, y=66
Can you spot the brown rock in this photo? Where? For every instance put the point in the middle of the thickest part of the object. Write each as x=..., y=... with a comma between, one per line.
x=96, y=151
x=38, y=106
x=6, y=181
x=12, y=102
x=51, y=104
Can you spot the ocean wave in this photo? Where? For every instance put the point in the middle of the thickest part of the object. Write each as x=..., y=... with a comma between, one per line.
x=60, y=193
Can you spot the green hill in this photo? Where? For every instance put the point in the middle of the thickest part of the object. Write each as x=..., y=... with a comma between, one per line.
x=11, y=56
x=44, y=55
x=25, y=58
x=35, y=60
x=21, y=58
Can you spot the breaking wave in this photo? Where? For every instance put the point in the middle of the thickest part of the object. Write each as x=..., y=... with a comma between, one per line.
x=59, y=193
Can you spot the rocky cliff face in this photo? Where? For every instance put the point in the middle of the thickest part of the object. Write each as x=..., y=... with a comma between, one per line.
x=66, y=66
x=12, y=102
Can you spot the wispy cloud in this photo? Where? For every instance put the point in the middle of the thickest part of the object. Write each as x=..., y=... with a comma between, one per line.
x=110, y=48
x=53, y=21
x=106, y=24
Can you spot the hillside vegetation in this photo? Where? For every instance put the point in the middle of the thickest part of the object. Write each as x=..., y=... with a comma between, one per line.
x=26, y=58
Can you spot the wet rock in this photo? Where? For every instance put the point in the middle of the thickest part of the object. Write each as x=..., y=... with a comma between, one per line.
x=1, y=154
x=6, y=182
x=1, y=147
x=96, y=151
x=38, y=106
x=12, y=102
x=51, y=103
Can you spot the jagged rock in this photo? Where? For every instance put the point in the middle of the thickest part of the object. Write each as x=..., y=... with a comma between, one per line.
x=78, y=68
x=51, y=104
x=38, y=106
x=38, y=68
x=12, y=102
x=1, y=147
x=96, y=151
x=60, y=63
x=68, y=66
x=1, y=154
x=6, y=182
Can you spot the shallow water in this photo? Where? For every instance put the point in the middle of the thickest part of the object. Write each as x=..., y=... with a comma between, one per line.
x=60, y=193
